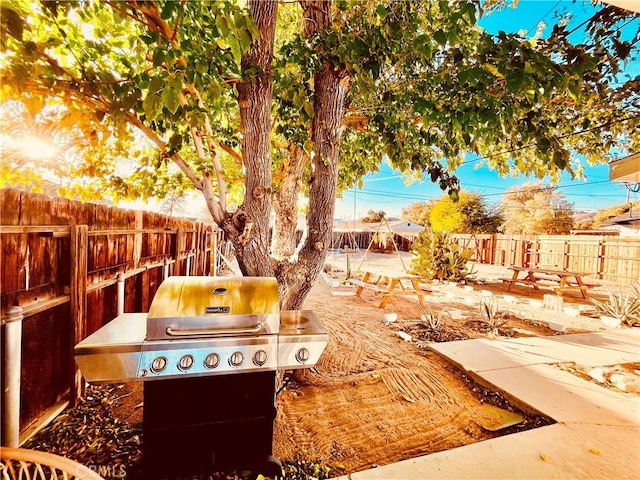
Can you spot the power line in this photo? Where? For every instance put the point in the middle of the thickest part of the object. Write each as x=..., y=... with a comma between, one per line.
x=533, y=145
x=417, y=197
x=535, y=25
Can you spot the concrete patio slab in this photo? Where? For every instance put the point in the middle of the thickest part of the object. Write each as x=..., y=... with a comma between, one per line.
x=588, y=349
x=598, y=430
x=480, y=355
x=564, y=397
x=620, y=339
x=555, y=451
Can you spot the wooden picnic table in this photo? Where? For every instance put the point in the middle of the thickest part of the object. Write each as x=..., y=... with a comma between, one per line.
x=558, y=280
x=389, y=284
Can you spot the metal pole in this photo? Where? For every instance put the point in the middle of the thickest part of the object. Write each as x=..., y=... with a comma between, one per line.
x=165, y=270
x=214, y=253
x=120, y=307
x=11, y=363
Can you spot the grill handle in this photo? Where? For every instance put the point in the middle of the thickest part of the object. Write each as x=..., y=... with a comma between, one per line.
x=212, y=332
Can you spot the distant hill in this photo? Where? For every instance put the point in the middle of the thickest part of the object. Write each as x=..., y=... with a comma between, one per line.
x=584, y=216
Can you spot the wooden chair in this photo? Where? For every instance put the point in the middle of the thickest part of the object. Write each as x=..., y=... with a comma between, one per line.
x=24, y=464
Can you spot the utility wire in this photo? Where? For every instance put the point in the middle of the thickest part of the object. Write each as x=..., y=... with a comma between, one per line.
x=535, y=25
x=532, y=145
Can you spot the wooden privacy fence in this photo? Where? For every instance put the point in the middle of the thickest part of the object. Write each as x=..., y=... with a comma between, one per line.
x=350, y=240
x=609, y=258
x=67, y=268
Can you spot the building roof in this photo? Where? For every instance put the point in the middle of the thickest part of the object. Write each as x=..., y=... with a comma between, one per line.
x=632, y=217
x=625, y=169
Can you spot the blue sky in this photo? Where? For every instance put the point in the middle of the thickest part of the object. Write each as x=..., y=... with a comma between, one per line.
x=387, y=191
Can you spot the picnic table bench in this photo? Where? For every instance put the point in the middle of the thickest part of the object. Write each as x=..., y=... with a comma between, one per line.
x=389, y=284
x=557, y=280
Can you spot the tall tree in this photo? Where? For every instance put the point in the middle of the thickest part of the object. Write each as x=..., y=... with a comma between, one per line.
x=469, y=214
x=534, y=208
x=372, y=216
x=236, y=106
x=418, y=212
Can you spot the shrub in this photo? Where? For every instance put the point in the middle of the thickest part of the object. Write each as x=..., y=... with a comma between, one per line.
x=433, y=322
x=490, y=315
x=436, y=257
x=624, y=308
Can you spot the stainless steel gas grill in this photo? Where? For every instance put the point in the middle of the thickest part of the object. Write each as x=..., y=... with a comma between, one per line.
x=208, y=352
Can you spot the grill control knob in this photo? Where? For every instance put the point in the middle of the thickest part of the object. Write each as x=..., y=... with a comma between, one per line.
x=185, y=363
x=260, y=358
x=212, y=360
x=302, y=355
x=236, y=359
x=158, y=364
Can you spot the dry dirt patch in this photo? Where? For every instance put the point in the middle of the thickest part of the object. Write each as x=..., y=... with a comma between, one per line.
x=373, y=398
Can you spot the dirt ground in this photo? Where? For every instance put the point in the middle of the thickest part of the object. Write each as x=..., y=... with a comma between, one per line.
x=375, y=398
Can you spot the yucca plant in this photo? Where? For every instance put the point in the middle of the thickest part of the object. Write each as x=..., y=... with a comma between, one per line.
x=434, y=322
x=625, y=308
x=490, y=315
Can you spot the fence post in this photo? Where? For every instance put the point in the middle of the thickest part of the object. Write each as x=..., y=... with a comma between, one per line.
x=213, y=268
x=602, y=250
x=137, y=239
x=120, y=306
x=11, y=370
x=78, y=302
x=180, y=242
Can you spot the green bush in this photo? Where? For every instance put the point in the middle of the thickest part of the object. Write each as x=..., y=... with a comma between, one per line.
x=436, y=257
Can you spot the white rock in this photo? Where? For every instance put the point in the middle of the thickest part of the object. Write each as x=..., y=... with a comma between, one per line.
x=619, y=380
x=405, y=336
x=390, y=318
x=597, y=374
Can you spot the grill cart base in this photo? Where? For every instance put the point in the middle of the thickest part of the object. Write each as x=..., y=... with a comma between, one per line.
x=201, y=425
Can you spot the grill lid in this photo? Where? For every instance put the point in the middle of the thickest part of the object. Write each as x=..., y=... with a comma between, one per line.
x=196, y=307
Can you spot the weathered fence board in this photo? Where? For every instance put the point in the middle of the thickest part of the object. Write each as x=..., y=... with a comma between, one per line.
x=45, y=367
x=61, y=260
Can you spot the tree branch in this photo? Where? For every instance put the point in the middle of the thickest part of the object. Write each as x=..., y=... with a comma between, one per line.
x=176, y=158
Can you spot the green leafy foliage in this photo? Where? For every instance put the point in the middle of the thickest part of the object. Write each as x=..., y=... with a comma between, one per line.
x=419, y=84
x=134, y=66
x=469, y=214
x=63, y=151
x=434, y=256
x=427, y=85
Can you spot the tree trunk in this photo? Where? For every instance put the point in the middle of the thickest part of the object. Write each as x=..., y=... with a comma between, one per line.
x=331, y=84
x=249, y=226
x=285, y=203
